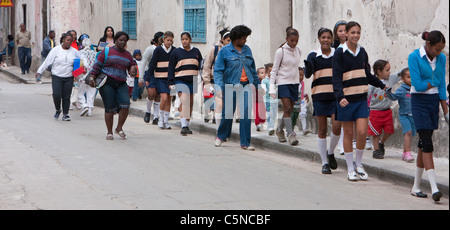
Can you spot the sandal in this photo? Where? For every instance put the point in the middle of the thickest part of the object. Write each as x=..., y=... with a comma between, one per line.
x=121, y=134
x=109, y=137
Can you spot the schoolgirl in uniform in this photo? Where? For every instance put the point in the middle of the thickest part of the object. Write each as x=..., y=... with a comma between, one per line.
x=340, y=36
x=427, y=66
x=153, y=98
x=351, y=76
x=320, y=63
x=184, y=65
x=159, y=70
x=285, y=76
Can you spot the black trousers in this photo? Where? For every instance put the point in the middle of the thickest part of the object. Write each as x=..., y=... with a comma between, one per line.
x=62, y=90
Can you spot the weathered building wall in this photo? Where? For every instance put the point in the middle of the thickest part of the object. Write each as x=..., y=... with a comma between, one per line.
x=267, y=18
x=391, y=30
x=62, y=15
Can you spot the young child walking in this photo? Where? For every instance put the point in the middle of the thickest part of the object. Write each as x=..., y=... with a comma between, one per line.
x=271, y=103
x=381, y=122
x=259, y=107
x=301, y=106
x=403, y=96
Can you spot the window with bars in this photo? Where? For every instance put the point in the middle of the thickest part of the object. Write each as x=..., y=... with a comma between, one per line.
x=195, y=19
x=129, y=18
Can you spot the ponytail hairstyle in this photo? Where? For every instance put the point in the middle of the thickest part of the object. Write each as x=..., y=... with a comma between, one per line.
x=156, y=37
x=165, y=35
x=403, y=73
x=290, y=32
x=433, y=37
x=379, y=66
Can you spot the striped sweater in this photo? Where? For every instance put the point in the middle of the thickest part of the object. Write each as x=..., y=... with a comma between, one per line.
x=184, y=65
x=351, y=75
x=116, y=66
x=159, y=64
x=322, y=68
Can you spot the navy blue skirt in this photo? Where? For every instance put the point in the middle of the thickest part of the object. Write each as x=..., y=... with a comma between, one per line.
x=353, y=111
x=425, y=109
x=324, y=108
x=288, y=91
x=162, y=85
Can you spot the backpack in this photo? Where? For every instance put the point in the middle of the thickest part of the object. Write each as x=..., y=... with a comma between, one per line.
x=202, y=64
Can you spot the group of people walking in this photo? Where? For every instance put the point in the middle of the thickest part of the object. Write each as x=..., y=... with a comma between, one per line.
x=342, y=83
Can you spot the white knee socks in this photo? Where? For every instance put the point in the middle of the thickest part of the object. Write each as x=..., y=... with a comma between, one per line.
x=432, y=179
x=333, y=142
x=417, y=180
x=323, y=150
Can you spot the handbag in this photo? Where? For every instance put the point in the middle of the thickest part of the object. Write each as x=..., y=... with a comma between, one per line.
x=101, y=79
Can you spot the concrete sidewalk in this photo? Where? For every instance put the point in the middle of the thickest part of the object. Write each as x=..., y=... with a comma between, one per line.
x=391, y=169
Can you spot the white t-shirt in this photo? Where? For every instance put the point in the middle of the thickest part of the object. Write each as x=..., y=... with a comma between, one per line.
x=61, y=61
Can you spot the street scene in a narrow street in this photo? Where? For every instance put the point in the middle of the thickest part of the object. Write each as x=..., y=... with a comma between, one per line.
x=224, y=105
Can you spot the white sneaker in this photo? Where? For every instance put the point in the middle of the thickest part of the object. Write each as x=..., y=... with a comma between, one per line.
x=89, y=113
x=161, y=124
x=352, y=176
x=218, y=142
x=84, y=112
x=167, y=126
x=369, y=145
x=362, y=173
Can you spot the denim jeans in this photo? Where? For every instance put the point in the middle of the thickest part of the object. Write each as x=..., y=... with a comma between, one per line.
x=115, y=95
x=62, y=90
x=137, y=91
x=272, y=113
x=226, y=123
x=24, y=58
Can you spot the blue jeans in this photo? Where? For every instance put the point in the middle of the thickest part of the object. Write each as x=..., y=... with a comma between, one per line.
x=226, y=123
x=1, y=56
x=137, y=91
x=115, y=95
x=24, y=58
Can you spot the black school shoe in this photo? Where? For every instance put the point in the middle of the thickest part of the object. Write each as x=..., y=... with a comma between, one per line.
x=436, y=196
x=332, y=162
x=326, y=169
x=419, y=194
x=185, y=131
x=377, y=154
x=147, y=118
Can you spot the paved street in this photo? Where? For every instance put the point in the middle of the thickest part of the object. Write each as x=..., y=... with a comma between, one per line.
x=51, y=164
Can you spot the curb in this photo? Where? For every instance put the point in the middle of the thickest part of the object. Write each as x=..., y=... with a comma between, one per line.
x=12, y=75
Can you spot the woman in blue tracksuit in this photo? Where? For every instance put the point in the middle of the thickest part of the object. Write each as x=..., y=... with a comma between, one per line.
x=427, y=66
x=234, y=74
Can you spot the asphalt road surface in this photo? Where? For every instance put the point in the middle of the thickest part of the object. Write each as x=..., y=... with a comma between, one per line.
x=48, y=164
